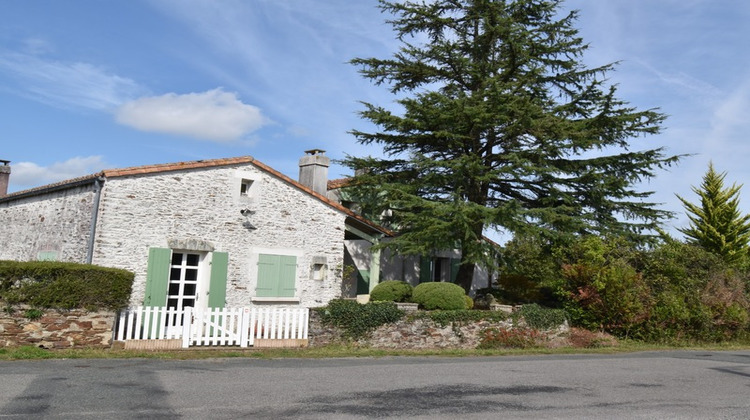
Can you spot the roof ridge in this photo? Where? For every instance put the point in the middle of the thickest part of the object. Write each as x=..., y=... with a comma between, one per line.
x=195, y=164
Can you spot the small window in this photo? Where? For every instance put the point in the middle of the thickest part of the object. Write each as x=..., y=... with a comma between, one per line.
x=318, y=271
x=245, y=186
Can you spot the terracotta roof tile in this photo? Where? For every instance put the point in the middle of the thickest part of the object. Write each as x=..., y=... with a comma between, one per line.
x=335, y=184
x=197, y=164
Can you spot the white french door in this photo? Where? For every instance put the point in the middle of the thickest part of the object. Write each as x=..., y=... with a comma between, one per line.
x=184, y=278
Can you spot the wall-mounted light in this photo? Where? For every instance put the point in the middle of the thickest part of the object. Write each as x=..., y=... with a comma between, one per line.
x=247, y=213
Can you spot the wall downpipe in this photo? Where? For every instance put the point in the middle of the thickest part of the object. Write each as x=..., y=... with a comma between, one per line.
x=98, y=183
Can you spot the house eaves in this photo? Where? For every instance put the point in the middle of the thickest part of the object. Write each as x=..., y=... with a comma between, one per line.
x=352, y=217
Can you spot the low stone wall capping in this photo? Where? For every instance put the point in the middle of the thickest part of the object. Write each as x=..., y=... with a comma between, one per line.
x=56, y=329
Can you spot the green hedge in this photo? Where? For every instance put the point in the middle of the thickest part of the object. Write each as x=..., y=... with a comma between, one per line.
x=358, y=320
x=391, y=291
x=59, y=285
x=437, y=295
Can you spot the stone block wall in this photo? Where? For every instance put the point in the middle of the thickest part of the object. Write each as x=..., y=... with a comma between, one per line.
x=57, y=329
x=206, y=205
x=53, y=226
x=408, y=334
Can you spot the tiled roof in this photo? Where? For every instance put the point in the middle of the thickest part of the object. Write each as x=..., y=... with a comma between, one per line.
x=335, y=184
x=179, y=166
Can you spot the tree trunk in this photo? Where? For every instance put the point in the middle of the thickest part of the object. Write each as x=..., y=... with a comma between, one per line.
x=465, y=276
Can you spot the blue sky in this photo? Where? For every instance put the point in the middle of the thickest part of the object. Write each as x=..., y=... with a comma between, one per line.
x=88, y=84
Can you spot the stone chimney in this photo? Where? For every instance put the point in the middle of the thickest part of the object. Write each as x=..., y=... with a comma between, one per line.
x=313, y=170
x=4, y=177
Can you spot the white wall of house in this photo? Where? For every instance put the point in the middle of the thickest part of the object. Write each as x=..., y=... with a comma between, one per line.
x=175, y=209
x=51, y=226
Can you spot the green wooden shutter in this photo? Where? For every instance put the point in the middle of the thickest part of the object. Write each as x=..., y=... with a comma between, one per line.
x=425, y=269
x=287, y=276
x=157, y=277
x=217, y=288
x=455, y=264
x=277, y=275
x=268, y=269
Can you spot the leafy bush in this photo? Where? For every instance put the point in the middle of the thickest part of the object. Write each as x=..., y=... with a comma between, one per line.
x=515, y=338
x=469, y=302
x=438, y=295
x=601, y=289
x=391, y=291
x=47, y=284
x=357, y=320
x=541, y=318
x=697, y=295
x=461, y=316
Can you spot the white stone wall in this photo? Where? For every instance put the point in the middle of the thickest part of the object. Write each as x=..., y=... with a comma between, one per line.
x=58, y=222
x=140, y=212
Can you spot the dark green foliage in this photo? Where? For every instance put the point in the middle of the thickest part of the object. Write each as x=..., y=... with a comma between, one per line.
x=512, y=338
x=438, y=295
x=33, y=314
x=58, y=285
x=697, y=295
x=391, y=291
x=500, y=125
x=357, y=320
x=600, y=288
x=716, y=224
x=540, y=318
x=459, y=317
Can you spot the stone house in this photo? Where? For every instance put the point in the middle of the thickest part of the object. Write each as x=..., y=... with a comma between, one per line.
x=209, y=233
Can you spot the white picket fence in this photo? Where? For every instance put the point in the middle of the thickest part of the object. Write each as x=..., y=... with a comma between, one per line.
x=212, y=327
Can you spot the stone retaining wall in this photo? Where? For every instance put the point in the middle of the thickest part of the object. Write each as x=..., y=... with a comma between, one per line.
x=56, y=329
x=406, y=334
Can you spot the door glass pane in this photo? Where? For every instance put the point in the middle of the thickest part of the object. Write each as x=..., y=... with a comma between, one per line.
x=174, y=273
x=190, y=289
x=191, y=274
x=192, y=259
x=171, y=303
x=174, y=289
x=176, y=258
x=188, y=302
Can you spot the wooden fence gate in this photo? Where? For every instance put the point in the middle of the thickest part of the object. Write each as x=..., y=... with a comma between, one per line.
x=161, y=327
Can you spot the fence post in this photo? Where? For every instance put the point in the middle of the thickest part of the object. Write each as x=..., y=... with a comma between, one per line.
x=187, y=322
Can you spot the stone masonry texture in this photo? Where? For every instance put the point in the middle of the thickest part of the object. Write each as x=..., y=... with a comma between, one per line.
x=140, y=212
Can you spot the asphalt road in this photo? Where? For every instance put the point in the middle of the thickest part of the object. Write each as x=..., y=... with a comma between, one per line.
x=700, y=385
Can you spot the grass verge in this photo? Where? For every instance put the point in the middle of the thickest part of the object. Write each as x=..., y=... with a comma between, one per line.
x=338, y=351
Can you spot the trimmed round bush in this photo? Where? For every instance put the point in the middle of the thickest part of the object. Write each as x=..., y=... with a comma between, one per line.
x=391, y=291
x=446, y=296
x=469, y=302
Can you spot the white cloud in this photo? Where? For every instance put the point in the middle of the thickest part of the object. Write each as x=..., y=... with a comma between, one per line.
x=67, y=84
x=213, y=115
x=29, y=174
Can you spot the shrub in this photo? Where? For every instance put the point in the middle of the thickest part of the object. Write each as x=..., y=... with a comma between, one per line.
x=391, y=291
x=59, y=285
x=438, y=295
x=357, y=320
x=459, y=317
x=469, y=302
x=541, y=318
